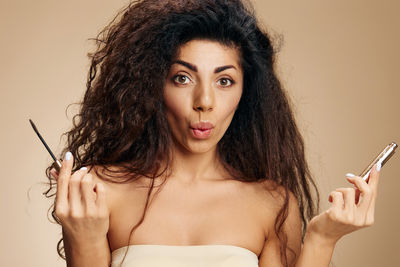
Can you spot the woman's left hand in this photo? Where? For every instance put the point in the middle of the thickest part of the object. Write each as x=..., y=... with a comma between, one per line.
x=352, y=209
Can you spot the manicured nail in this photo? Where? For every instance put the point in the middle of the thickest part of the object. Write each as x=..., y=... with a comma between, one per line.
x=68, y=155
x=84, y=169
x=349, y=175
x=378, y=166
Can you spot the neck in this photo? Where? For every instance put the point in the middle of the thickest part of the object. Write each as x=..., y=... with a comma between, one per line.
x=188, y=167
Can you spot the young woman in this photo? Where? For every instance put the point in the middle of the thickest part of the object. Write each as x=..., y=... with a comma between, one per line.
x=185, y=151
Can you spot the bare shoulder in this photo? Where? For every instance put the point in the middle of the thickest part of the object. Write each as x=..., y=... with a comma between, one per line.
x=275, y=198
x=119, y=191
x=271, y=196
x=266, y=198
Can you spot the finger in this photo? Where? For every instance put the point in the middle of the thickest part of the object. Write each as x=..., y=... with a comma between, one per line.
x=364, y=189
x=373, y=183
x=370, y=217
x=374, y=178
x=337, y=200
x=101, y=197
x=75, y=196
x=357, y=195
x=348, y=197
x=63, y=178
x=88, y=196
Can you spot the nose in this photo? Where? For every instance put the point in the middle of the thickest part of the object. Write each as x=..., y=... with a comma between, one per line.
x=204, y=98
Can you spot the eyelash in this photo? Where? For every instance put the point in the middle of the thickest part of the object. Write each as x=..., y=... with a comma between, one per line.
x=180, y=75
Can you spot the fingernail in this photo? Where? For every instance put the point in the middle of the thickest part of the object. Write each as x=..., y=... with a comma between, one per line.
x=349, y=175
x=83, y=168
x=378, y=166
x=68, y=155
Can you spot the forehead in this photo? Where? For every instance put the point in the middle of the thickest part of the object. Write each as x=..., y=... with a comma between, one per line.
x=207, y=52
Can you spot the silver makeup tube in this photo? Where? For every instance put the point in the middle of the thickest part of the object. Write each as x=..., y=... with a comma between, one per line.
x=382, y=158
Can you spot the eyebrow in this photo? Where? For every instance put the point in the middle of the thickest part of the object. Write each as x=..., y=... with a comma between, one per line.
x=194, y=67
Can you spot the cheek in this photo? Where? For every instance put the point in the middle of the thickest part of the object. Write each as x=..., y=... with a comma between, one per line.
x=228, y=105
x=175, y=104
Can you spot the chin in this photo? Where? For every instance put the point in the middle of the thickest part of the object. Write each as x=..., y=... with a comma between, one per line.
x=201, y=148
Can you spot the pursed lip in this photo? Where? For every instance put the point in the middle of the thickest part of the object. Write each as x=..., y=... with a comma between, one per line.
x=202, y=125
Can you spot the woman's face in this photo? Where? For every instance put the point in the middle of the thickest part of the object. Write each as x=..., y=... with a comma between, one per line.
x=201, y=93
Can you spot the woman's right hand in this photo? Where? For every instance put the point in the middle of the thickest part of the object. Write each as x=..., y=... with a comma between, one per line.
x=81, y=206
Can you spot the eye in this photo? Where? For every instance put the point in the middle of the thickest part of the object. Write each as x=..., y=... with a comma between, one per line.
x=225, y=82
x=181, y=79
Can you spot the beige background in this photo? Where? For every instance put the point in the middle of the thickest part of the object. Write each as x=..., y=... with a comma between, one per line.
x=339, y=62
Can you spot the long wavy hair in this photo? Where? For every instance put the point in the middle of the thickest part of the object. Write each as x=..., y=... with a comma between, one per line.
x=122, y=123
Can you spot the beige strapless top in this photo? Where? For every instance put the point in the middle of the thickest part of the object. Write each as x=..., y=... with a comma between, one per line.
x=184, y=256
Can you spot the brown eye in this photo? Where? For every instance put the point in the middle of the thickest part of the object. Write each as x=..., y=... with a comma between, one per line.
x=181, y=79
x=225, y=82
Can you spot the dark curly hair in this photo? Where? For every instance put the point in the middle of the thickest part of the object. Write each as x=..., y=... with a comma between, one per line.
x=122, y=121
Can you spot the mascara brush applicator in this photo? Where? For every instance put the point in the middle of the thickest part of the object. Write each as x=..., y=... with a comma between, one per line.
x=57, y=163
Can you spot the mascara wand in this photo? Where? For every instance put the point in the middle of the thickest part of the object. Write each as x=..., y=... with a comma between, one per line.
x=57, y=163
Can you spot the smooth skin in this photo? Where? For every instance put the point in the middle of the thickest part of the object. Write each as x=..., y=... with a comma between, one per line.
x=198, y=203
x=82, y=209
